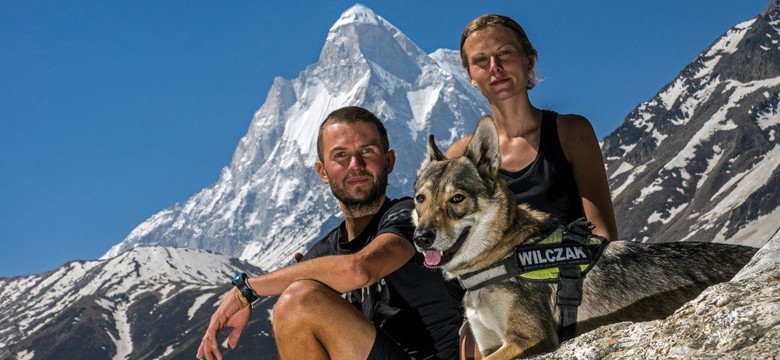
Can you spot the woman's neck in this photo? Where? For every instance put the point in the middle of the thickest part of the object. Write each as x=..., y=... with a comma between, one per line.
x=516, y=117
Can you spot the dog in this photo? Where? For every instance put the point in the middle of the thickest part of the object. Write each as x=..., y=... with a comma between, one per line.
x=467, y=221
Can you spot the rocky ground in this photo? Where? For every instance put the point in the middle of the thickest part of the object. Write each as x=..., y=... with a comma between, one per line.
x=739, y=319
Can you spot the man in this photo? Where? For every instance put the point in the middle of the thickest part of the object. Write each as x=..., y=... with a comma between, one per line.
x=394, y=307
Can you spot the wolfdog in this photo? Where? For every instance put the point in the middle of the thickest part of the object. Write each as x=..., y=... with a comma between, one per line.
x=469, y=226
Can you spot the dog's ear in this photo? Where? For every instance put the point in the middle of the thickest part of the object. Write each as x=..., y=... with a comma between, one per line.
x=434, y=154
x=483, y=148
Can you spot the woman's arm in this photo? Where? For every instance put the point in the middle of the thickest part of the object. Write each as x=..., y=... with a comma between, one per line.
x=581, y=147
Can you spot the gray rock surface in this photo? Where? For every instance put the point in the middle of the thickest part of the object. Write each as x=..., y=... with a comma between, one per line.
x=739, y=319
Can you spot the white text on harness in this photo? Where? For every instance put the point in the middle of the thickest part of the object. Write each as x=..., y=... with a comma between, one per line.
x=556, y=255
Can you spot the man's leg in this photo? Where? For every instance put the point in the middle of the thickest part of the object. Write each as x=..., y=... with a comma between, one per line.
x=311, y=321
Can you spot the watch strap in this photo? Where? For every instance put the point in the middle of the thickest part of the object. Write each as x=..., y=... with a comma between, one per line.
x=241, y=282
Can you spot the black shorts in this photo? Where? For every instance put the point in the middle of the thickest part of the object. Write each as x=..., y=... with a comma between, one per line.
x=385, y=348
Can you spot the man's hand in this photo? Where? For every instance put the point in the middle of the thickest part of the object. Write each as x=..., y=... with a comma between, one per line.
x=234, y=312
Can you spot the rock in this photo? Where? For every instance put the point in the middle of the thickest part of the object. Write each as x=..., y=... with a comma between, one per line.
x=739, y=319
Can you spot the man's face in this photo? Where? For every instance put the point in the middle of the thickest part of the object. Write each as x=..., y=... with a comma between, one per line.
x=354, y=164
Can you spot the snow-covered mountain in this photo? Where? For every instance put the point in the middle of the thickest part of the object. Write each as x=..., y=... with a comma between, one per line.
x=701, y=160
x=269, y=203
x=150, y=302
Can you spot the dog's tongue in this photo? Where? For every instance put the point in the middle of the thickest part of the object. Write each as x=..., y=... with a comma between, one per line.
x=432, y=257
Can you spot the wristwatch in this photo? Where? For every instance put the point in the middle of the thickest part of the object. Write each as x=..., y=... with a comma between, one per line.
x=240, y=281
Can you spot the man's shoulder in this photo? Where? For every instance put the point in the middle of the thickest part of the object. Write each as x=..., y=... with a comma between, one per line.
x=399, y=208
x=403, y=202
x=327, y=245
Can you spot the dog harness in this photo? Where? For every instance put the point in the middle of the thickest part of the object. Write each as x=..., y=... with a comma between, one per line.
x=564, y=257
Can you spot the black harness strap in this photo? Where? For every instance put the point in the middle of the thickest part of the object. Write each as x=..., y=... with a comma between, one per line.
x=568, y=298
x=569, y=295
x=577, y=237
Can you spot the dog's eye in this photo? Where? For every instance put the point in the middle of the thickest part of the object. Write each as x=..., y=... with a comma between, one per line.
x=419, y=198
x=457, y=198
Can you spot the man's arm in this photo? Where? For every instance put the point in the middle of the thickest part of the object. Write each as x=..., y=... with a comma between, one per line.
x=383, y=255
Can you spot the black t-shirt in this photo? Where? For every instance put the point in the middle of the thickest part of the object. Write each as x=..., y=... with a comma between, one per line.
x=414, y=305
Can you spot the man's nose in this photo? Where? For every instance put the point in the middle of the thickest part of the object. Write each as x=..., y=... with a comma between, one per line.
x=357, y=162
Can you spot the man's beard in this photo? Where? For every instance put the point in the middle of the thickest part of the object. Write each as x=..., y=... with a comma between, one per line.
x=364, y=201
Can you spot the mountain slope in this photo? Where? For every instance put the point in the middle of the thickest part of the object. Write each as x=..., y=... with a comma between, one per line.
x=149, y=302
x=258, y=208
x=701, y=160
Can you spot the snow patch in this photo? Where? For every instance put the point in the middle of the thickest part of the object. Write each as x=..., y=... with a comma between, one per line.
x=168, y=350
x=727, y=44
x=627, y=148
x=629, y=180
x=199, y=301
x=124, y=342
x=25, y=355
x=421, y=102
x=647, y=191
x=711, y=163
x=768, y=119
x=356, y=14
x=749, y=182
x=624, y=166
x=755, y=233
x=658, y=136
x=672, y=93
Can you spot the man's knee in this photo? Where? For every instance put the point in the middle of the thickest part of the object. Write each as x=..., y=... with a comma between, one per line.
x=300, y=300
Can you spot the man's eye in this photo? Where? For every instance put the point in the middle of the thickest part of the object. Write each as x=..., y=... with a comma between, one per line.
x=339, y=155
x=367, y=151
x=503, y=52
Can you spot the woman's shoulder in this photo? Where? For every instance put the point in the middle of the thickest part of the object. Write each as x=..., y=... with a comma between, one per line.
x=572, y=120
x=573, y=126
x=458, y=147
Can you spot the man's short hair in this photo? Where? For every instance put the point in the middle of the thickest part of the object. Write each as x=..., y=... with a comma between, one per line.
x=351, y=115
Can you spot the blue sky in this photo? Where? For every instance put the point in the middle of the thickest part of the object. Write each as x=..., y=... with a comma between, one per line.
x=112, y=111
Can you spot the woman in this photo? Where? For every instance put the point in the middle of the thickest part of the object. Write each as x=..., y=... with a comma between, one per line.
x=552, y=162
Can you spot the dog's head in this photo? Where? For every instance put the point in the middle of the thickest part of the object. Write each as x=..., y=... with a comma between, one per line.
x=457, y=201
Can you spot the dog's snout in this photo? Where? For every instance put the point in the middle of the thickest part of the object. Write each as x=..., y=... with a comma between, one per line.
x=424, y=238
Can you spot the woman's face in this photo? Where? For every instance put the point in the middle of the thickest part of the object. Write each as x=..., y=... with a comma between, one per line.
x=497, y=64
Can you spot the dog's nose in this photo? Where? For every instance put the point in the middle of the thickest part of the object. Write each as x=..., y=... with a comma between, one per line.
x=424, y=238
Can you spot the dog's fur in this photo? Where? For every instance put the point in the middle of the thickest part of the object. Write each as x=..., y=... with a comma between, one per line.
x=467, y=220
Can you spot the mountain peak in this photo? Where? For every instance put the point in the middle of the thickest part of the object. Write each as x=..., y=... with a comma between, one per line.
x=357, y=14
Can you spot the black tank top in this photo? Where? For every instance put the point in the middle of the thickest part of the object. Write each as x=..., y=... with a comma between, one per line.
x=547, y=184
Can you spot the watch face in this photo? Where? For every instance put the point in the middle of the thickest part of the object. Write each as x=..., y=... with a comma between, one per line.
x=237, y=279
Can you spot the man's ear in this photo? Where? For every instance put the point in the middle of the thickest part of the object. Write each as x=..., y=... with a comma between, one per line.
x=321, y=172
x=390, y=160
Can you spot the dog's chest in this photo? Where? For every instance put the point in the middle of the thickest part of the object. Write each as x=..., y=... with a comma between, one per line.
x=490, y=307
